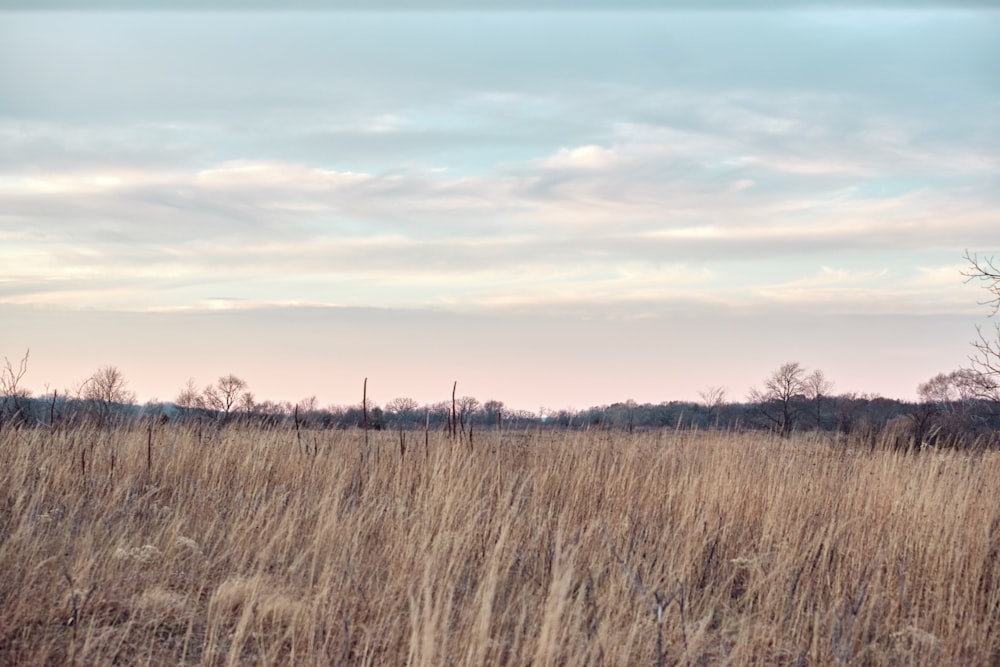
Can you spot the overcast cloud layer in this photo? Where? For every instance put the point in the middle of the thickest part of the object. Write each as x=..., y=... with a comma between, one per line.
x=610, y=165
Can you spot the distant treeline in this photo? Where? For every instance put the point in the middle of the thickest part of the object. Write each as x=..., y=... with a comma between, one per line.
x=956, y=409
x=861, y=418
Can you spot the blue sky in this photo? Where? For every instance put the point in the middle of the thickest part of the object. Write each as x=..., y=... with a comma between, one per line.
x=552, y=207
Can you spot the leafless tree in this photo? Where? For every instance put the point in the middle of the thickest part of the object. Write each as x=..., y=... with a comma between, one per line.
x=108, y=384
x=190, y=397
x=13, y=396
x=308, y=404
x=106, y=389
x=986, y=360
x=441, y=410
x=467, y=405
x=10, y=378
x=817, y=388
x=248, y=403
x=274, y=408
x=225, y=394
x=401, y=406
x=495, y=410
x=948, y=403
x=950, y=392
x=779, y=402
x=713, y=398
x=515, y=415
x=494, y=407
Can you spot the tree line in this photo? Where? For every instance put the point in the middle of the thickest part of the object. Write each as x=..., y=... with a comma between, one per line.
x=958, y=408
x=951, y=410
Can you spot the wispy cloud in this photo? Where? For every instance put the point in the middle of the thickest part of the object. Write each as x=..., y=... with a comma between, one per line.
x=406, y=236
x=452, y=170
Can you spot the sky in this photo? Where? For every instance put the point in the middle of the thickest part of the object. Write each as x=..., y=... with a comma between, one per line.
x=555, y=207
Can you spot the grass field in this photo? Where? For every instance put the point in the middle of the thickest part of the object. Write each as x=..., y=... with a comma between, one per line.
x=183, y=545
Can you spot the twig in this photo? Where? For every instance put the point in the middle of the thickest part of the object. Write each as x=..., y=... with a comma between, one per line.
x=986, y=271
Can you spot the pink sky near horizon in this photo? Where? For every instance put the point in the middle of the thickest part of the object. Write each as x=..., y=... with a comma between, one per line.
x=528, y=362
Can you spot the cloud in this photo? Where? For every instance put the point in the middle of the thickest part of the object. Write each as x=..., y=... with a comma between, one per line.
x=584, y=157
x=273, y=174
x=70, y=183
x=279, y=232
x=938, y=276
x=830, y=277
x=655, y=158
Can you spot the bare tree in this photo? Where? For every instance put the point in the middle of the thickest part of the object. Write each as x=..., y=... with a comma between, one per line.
x=12, y=396
x=106, y=389
x=190, y=397
x=494, y=407
x=248, y=404
x=780, y=400
x=713, y=398
x=986, y=360
x=10, y=378
x=467, y=405
x=950, y=392
x=401, y=406
x=309, y=404
x=274, y=409
x=514, y=415
x=225, y=394
x=817, y=388
x=950, y=400
x=630, y=406
x=440, y=411
x=922, y=422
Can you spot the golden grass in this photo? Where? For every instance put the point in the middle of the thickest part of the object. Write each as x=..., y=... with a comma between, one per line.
x=236, y=547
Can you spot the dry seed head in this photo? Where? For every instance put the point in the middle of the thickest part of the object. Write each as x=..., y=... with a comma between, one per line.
x=143, y=555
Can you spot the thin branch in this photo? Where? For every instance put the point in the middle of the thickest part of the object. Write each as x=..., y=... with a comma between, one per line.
x=984, y=270
x=986, y=365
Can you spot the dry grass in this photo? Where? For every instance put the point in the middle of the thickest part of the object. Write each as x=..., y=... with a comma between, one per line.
x=236, y=547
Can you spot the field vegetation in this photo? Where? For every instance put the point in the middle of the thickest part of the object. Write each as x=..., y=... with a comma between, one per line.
x=198, y=544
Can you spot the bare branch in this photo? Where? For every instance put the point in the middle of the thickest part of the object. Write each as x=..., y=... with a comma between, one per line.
x=9, y=378
x=984, y=270
x=986, y=364
x=713, y=397
x=12, y=396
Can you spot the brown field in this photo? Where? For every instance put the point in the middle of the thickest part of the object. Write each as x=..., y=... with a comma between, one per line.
x=235, y=546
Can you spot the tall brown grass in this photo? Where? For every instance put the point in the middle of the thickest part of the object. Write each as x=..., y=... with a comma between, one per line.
x=236, y=546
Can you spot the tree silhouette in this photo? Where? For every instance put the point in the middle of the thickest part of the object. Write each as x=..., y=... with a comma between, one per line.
x=12, y=396
x=225, y=394
x=106, y=389
x=986, y=360
x=780, y=401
